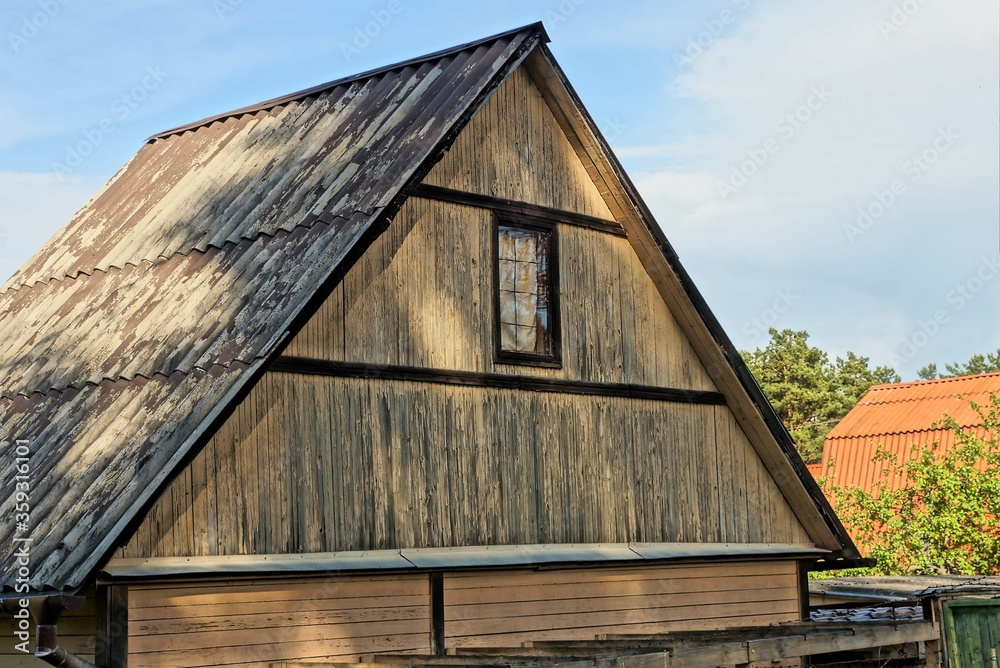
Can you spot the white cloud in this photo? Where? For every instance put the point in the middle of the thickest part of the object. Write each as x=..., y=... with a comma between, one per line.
x=890, y=98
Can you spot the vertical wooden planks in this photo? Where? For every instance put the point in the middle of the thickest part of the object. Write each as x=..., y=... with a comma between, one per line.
x=422, y=294
x=514, y=148
x=312, y=464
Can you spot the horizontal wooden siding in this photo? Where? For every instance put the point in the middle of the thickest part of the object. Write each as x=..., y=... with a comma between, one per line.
x=509, y=608
x=255, y=624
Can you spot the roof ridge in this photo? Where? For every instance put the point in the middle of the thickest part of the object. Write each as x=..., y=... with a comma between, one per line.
x=353, y=78
x=898, y=432
x=309, y=222
x=108, y=379
x=932, y=381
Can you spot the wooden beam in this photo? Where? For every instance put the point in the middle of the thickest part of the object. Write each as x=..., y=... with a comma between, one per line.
x=318, y=367
x=679, y=651
x=524, y=209
x=111, y=643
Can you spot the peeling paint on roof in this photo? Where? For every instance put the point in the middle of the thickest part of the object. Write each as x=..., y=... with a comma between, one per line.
x=133, y=329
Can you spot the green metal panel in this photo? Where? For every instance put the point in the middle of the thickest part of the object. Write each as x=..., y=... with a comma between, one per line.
x=972, y=633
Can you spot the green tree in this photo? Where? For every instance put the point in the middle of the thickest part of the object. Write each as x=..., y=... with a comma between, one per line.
x=808, y=391
x=988, y=363
x=945, y=518
x=928, y=372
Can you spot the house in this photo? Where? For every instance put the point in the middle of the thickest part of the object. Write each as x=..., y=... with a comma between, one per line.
x=896, y=417
x=397, y=364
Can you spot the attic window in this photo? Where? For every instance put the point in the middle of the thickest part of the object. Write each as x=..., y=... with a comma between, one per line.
x=527, y=310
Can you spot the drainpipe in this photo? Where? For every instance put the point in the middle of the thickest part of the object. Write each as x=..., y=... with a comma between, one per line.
x=46, y=612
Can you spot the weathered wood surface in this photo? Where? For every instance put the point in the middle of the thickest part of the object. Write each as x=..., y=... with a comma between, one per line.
x=681, y=297
x=327, y=619
x=775, y=647
x=314, y=464
x=257, y=623
x=505, y=609
x=201, y=254
x=422, y=295
x=514, y=149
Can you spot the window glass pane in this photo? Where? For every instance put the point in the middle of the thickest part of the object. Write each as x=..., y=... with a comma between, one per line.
x=507, y=270
x=508, y=337
x=526, y=280
x=523, y=290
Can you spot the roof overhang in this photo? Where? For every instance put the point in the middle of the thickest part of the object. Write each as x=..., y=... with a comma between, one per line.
x=453, y=558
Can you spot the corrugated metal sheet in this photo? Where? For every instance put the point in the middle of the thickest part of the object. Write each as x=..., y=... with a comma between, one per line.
x=896, y=417
x=142, y=319
x=904, y=587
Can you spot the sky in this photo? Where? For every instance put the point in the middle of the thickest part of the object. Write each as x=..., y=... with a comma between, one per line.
x=828, y=167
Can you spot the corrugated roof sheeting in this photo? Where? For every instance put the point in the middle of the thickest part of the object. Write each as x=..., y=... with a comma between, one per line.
x=113, y=439
x=897, y=417
x=128, y=333
x=913, y=407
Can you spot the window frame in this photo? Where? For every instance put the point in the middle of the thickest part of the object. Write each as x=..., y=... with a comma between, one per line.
x=552, y=359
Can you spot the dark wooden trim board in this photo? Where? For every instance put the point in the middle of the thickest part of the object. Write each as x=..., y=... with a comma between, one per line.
x=438, y=637
x=111, y=643
x=308, y=366
x=535, y=212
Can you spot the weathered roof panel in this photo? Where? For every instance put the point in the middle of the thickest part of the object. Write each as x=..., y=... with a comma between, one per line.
x=138, y=325
x=108, y=436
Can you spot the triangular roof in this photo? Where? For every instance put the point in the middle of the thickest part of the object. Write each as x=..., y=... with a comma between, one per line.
x=136, y=330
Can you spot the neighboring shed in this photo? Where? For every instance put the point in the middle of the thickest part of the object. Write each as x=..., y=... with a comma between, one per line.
x=896, y=417
x=964, y=609
x=400, y=364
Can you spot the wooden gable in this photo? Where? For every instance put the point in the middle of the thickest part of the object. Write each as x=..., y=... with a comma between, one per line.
x=381, y=449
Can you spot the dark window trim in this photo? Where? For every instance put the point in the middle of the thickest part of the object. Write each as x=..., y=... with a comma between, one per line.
x=526, y=210
x=316, y=367
x=501, y=356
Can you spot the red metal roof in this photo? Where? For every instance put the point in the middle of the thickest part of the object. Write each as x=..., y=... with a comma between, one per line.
x=897, y=417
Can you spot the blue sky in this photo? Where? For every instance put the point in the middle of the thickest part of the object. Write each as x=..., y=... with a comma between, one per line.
x=818, y=166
